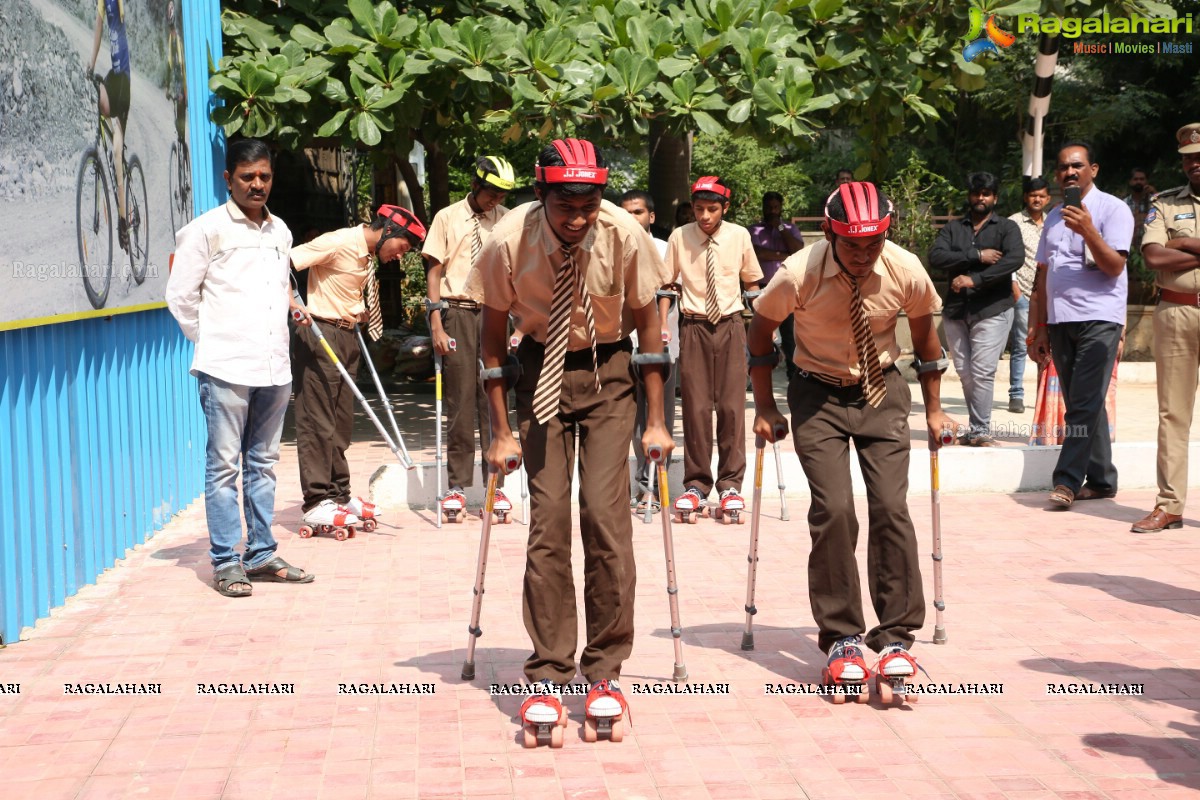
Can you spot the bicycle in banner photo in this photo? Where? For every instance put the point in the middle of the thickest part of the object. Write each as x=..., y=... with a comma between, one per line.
x=97, y=210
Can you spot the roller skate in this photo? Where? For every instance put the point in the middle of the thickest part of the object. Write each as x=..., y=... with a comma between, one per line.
x=690, y=506
x=501, y=508
x=328, y=517
x=543, y=715
x=895, y=668
x=729, y=509
x=605, y=711
x=369, y=513
x=846, y=673
x=454, y=505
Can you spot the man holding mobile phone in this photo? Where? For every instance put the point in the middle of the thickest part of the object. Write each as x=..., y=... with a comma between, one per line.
x=1081, y=321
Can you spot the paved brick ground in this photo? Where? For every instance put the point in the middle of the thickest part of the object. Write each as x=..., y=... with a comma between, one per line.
x=1034, y=597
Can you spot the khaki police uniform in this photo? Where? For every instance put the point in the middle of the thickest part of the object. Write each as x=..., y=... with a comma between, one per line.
x=1173, y=215
x=828, y=411
x=712, y=358
x=338, y=265
x=449, y=244
x=622, y=271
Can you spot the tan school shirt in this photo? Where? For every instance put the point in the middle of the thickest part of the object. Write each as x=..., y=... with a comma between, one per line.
x=1173, y=216
x=338, y=264
x=736, y=263
x=449, y=244
x=809, y=284
x=621, y=267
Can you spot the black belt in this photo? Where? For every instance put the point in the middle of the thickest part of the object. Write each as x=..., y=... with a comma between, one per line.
x=470, y=305
x=576, y=359
x=838, y=383
x=337, y=323
x=704, y=317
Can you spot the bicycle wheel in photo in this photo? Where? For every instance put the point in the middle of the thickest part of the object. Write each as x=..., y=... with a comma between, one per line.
x=93, y=227
x=179, y=177
x=137, y=211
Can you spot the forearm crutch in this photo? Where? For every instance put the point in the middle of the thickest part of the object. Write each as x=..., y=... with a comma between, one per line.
x=383, y=398
x=649, y=497
x=395, y=445
x=657, y=454
x=437, y=422
x=783, y=512
x=510, y=464
x=760, y=445
x=935, y=501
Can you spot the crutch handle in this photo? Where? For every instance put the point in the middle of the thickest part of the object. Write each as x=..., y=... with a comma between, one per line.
x=299, y=316
x=513, y=342
x=656, y=453
x=947, y=437
x=511, y=463
x=780, y=430
x=666, y=337
x=453, y=345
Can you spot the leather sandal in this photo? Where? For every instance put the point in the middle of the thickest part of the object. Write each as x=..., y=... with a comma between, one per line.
x=230, y=580
x=267, y=572
x=1062, y=497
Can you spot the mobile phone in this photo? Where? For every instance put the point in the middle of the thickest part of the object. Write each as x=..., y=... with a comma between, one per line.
x=1071, y=197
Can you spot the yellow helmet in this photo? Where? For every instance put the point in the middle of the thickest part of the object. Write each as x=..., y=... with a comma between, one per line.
x=496, y=172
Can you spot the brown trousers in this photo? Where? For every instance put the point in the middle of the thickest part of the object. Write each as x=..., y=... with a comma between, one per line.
x=324, y=411
x=712, y=375
x=825, y=419
x=602, y=423
x=466, y=403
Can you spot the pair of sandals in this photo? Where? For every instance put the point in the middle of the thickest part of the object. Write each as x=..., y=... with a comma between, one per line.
x=1065, y=498
x=233, y=579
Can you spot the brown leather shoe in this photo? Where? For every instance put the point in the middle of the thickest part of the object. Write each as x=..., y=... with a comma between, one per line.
x=1088, y=493
x=1158, y=520
x=1061, y=497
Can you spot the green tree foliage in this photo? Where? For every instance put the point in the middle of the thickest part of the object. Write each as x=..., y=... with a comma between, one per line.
x=381, y=75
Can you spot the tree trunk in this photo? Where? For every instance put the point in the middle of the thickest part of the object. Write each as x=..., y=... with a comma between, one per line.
x=437, y=167
x=416, y=192
x=670, y=171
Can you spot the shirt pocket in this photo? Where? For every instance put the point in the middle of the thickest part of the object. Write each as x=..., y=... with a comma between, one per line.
x=882, y=319
x=606, y=310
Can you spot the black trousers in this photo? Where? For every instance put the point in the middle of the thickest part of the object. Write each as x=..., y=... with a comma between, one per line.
x=1083, y=354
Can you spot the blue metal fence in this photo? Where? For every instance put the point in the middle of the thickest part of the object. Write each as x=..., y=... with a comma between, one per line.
x=101, y=436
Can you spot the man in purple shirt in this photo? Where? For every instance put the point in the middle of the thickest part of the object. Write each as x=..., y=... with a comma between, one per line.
x=774, y=240
x=1083, y=288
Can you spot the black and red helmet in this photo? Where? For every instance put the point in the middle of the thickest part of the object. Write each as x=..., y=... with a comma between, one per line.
x=581, y=164
x=868, y=213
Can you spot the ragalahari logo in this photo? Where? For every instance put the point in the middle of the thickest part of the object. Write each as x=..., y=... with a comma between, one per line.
x=984, y=38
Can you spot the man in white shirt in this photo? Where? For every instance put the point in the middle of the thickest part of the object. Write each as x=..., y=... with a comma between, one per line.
x=229, y=292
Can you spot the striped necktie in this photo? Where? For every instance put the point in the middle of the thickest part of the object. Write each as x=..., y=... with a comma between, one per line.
x=476, y=238
x=712, y=306
x=874, y=388
x=567, y=282
x=374, y=313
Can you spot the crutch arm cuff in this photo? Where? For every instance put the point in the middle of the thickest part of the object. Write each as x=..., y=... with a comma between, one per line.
x=940, y=364
x=766, y=360
x=651, y=359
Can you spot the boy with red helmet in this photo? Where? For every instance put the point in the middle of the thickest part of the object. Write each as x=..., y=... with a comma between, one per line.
x=575, y=272
x=341, y=265
x=713, y=259
x=846, y=294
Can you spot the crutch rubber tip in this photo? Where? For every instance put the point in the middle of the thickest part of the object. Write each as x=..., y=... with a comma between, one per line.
x=939, y=635
x=680, y=674
x=747, y=641
x=468, y=671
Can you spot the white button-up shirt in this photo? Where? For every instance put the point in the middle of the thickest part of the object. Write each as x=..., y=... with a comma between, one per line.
x=229, y=291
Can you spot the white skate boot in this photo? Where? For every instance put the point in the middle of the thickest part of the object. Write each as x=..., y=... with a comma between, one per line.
x=689, y=506
x=328, y=517
x=454, y=505
x=501, y=507
x=729, y=509
x=605, y=709
x=543, y=715
x=893, y=672
x=846, y=672
x=369, y=513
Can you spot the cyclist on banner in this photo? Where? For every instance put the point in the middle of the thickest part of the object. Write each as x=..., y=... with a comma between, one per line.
x=176, y=71
x=114, y=95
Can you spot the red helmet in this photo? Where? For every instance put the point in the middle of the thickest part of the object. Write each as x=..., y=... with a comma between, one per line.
x=709, y=183
x=401, y=218
x=580, y=164
x=864, y=217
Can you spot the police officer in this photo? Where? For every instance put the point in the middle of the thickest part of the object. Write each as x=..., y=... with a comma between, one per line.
x=1171, y=247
